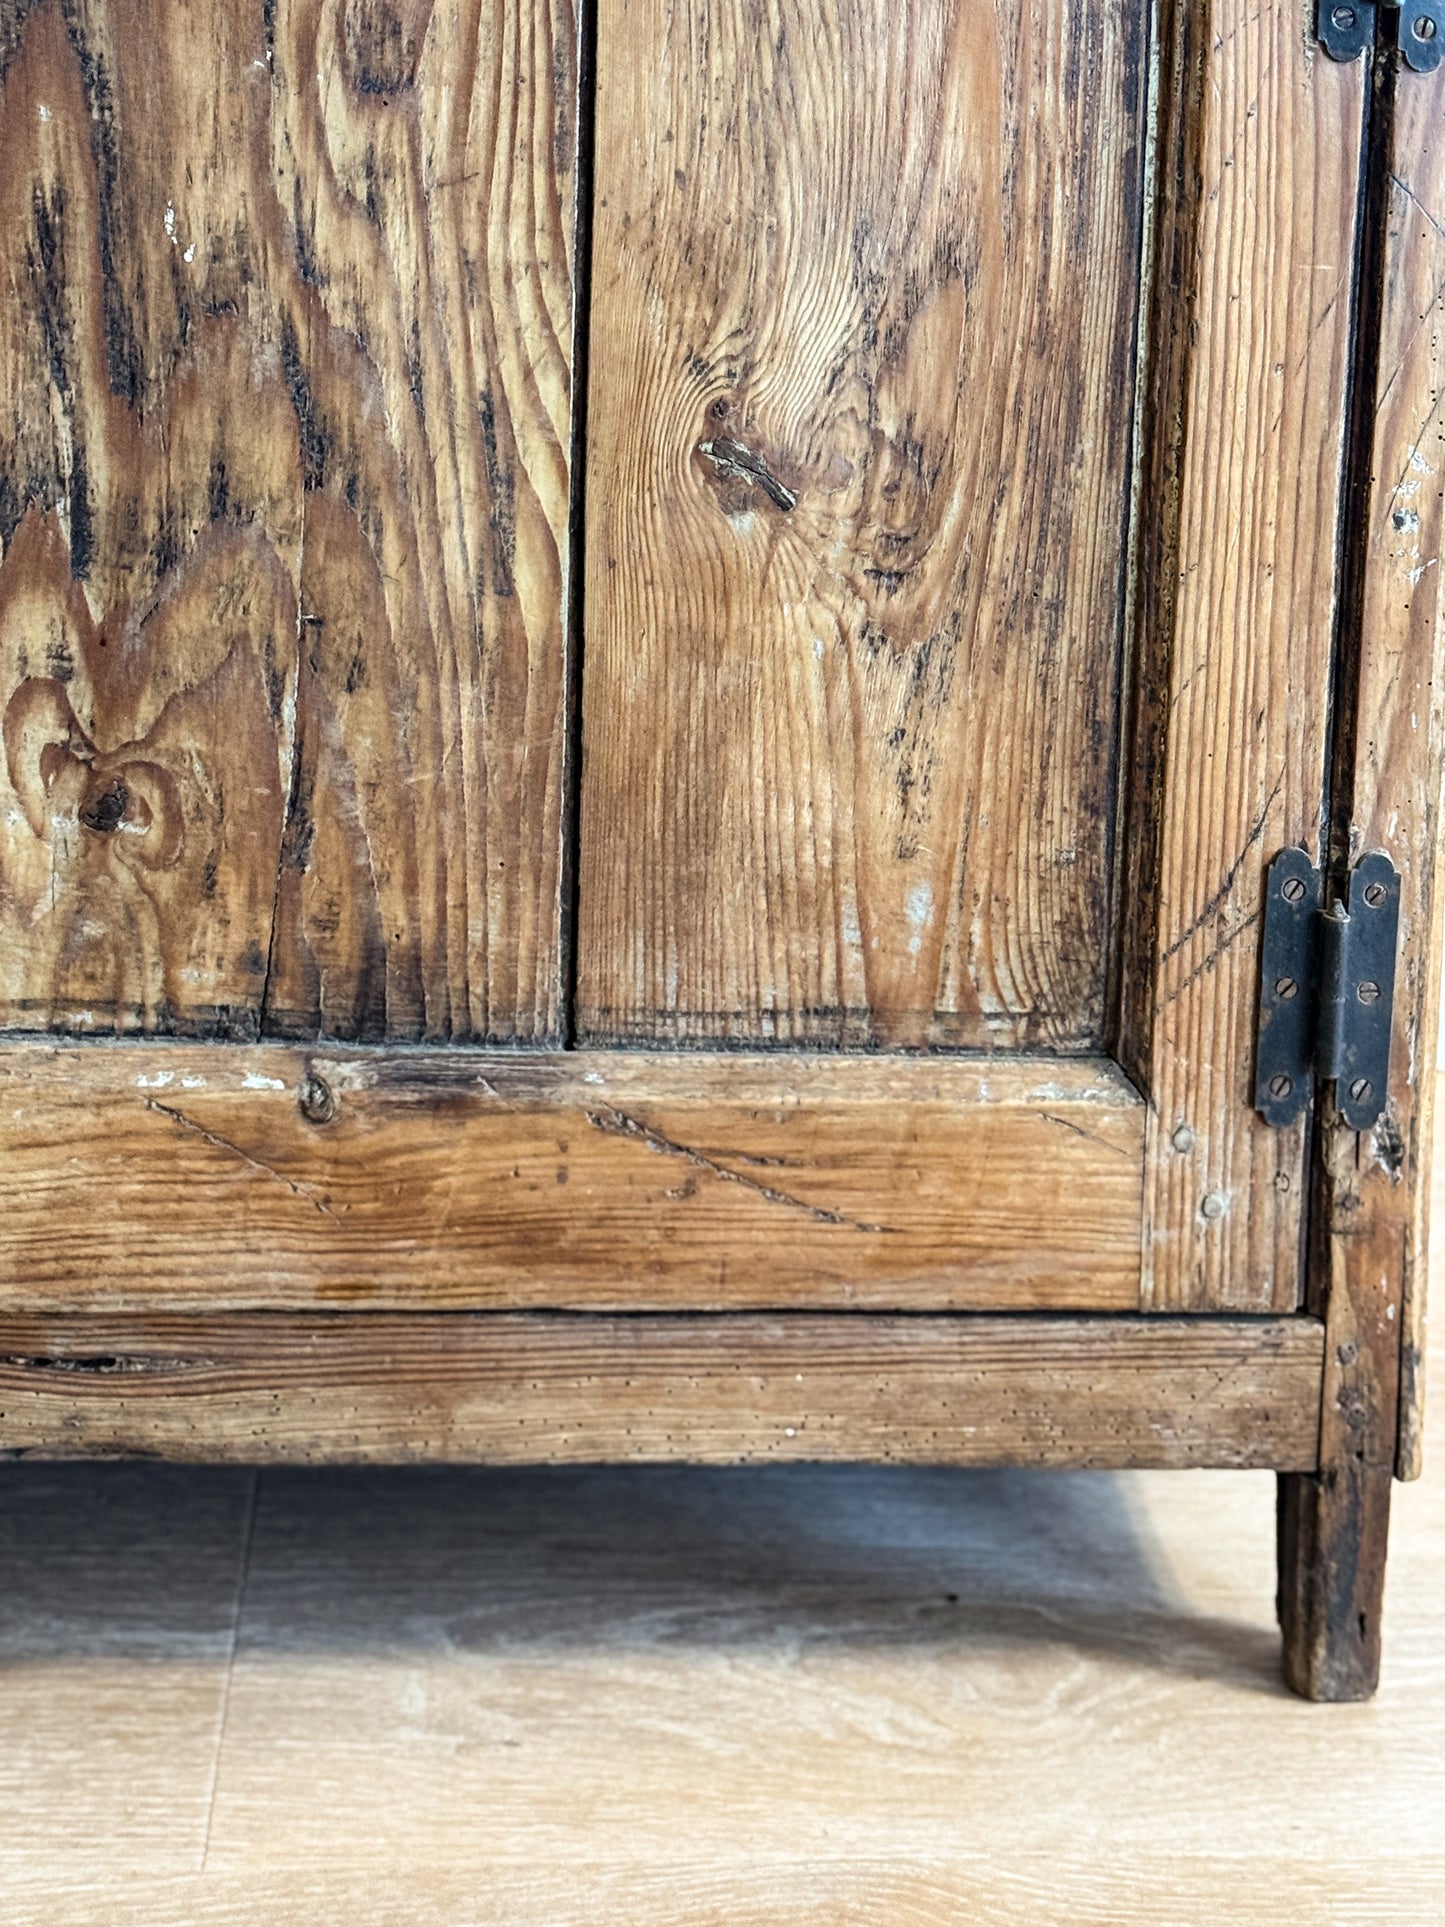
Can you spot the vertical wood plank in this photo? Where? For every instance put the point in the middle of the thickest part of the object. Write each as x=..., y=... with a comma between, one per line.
x=285, y=364
x=1397, y=743
x=1390, y=753
x=1371, y=1251
x=863, y=309
x=1264, y=183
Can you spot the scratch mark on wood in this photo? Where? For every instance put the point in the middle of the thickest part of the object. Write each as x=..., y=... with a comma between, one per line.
x=621, y=1124
x=1119, y=1150
x=1207, y=963
x=1255, y=833
x=305, y=1191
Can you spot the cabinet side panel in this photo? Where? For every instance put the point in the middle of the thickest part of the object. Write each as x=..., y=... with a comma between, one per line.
x=1233, y=732
x=863, y=319
x=285, y=361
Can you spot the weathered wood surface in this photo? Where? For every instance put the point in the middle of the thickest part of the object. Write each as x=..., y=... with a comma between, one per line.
x=508, y=1387
x=285, y=353
x=1259, y=179
x=1334, y=1522
x=176, y=1175
x=1393, y=745
x=863, y=319
x=1372, y=1253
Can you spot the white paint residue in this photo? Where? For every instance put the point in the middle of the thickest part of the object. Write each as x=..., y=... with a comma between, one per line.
x=919, y=911
x=45, y=113
x=852, y=929
x=818, y=647
x=156, y=1083
x=592, y=1077
x=193, y=1083
x=190, y=252
x=254, y=1081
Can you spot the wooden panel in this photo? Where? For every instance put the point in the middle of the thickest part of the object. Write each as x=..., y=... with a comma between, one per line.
x=507, y=1387
x=1259, y=183
x=285, y=365
x=1394, y=746
x=1369, y=1272
x=175, y=1175
x=863, y=319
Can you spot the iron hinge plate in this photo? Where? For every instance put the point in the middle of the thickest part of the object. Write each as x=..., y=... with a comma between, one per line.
x=1327, y=989
x=1416, y=27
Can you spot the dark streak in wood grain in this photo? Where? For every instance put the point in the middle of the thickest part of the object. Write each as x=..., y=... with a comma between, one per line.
x=284, y=496
x=858, y=440
x=519, y=1388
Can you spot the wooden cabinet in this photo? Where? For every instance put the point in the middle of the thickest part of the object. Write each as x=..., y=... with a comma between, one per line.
x=650, y=665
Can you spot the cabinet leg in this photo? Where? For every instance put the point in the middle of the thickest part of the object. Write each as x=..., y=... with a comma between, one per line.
x=1333, y=1527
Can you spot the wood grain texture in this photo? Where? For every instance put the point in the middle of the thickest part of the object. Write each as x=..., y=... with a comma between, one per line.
x=285, y=362
x=181, y=1175
x=863, y=317
x=1393, y=748
x=1334, y=1522
x=531, y=1697
x=934, y=1888
x=506, y=1387
x=1369, y=1264
x=1258, y=191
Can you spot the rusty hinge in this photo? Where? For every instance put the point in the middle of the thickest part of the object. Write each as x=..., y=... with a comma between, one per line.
x=1327, y=989
x=1416, y=27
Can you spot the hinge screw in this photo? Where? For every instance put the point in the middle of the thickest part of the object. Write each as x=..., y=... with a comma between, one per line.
x=1368, y=993
x=1344, y=18
x=1361, y=1089
x=1285, y=988
x=1280, y=1085
x=1374, y=895
x=1292, y=889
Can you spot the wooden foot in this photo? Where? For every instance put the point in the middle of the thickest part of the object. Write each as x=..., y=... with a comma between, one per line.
x=1333, y=1527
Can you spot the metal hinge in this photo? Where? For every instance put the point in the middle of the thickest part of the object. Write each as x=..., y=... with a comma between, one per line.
x=1417, y=27
x=1327, y=989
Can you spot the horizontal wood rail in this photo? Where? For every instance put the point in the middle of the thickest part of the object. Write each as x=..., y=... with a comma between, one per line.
x=190, y=1176
x=526, y=1387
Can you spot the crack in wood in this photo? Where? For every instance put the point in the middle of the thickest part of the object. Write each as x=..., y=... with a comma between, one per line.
x=107, y=1365
x=735, y=462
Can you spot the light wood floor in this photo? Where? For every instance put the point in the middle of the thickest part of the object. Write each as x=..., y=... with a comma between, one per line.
x=663, y=1697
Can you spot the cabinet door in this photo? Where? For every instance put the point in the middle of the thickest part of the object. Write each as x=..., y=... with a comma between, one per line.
x=808, y=641
x=967, y=423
